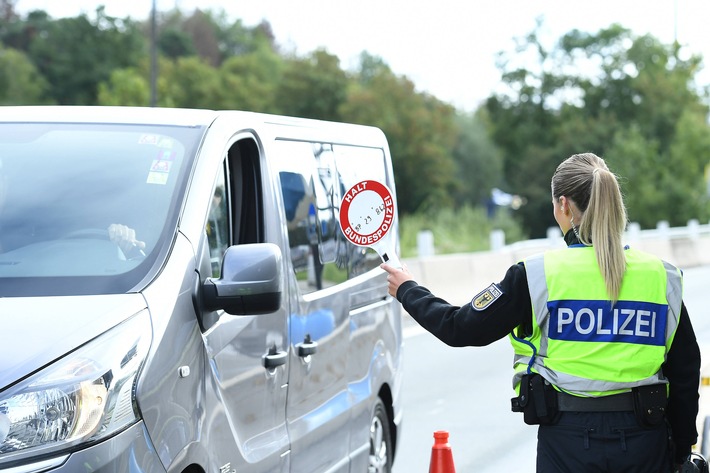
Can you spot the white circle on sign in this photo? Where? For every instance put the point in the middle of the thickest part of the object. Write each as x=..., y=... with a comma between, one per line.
x=374, y=214
x=367, y=213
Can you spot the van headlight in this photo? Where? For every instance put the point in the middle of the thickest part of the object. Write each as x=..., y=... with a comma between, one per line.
x=84, y=397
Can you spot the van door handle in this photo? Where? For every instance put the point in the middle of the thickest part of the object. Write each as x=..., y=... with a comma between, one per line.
x=274, y=358
x=308, y=347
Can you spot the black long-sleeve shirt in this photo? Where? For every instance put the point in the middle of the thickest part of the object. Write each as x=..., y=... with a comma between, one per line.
x=512, y=310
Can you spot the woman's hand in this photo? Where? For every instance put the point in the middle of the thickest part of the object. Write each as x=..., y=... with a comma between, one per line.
x=395, y=277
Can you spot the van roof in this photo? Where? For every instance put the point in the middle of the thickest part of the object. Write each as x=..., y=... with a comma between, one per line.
x=144, y=115
x=100, y=114
x=184, y=117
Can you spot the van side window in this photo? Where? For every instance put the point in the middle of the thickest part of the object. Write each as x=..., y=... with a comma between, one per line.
x=247, y=208
x=355, y=164
x=312, y=186
x=217, y=226
x=235, y=214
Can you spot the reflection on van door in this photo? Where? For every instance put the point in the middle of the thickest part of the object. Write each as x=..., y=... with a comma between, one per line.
x=318, y=408
x=252, y=395
x=320, y=405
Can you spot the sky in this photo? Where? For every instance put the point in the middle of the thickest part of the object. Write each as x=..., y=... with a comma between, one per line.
x=447, y=48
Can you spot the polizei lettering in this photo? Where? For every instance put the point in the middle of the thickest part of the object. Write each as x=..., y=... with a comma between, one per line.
x=597, y=321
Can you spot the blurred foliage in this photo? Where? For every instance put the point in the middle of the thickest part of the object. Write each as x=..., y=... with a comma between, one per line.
x=20, y=81
x=420, y=130
x=74, y=55
x=479, y=162
x=630, y=99
x=461, y=230
x=312, y=87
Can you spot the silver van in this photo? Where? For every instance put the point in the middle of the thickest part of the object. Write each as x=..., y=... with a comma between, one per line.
x=176, y=295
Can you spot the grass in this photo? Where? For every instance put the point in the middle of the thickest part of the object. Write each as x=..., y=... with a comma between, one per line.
x=461, y=230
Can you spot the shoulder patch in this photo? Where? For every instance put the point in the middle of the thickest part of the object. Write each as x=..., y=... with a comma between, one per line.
x=486, y=297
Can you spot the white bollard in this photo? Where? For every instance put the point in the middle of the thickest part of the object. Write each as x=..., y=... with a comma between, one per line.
x=693, y=229
x=663, y=228
x=425, y=243
x=553, y=234
x=497, y=239
x=633, y=232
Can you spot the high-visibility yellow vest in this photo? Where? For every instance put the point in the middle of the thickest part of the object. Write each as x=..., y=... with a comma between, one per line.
x=580, y=342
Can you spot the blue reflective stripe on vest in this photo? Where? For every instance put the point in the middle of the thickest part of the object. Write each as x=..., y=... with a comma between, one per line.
x=596, y=321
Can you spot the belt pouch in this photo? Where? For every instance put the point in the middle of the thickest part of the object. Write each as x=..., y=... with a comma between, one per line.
x=544, y=398
x=650, y=404
x=537, y=400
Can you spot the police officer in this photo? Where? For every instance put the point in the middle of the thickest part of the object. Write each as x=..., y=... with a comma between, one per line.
x=606, y=360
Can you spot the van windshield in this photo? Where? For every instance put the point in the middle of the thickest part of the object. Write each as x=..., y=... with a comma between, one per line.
x=87, y=208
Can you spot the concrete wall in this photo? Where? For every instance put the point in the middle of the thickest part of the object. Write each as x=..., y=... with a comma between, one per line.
x=458, y=277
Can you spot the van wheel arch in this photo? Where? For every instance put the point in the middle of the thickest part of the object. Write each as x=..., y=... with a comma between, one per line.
x=381, y=452
x=193, y=469
x=386, y=396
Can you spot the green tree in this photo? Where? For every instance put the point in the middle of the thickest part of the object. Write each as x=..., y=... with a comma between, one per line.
x=189, y=82
x=312, y=87
x=174, y=43
x=479, y=163
x=20, y=82
x=629, y=99
x=246, y=82
x=7, y=10
x=197, y=34
x=235, y=39
x=250, y=81
x=17, y=33
x=213, y=36
x=203, y=30
x=522, y=124
x=664, y=185
x=186, y=82
x=75, y=54
x=689, y=156
x=648, y=102
x=420, y=129
x=125, y=87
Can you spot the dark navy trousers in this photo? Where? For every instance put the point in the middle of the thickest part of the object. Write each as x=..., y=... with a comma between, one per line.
x=602, y=442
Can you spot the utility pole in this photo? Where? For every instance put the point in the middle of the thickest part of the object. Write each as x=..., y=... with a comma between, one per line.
x=153, y=57
x=675, y=21
x=7, y=9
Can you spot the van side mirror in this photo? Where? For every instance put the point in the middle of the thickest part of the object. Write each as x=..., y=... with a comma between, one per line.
x=251, y=281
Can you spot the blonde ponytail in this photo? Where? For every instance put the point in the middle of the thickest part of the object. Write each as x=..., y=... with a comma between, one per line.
x=586, y=180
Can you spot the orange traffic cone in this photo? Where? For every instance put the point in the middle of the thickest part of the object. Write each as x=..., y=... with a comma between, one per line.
x=442, y=460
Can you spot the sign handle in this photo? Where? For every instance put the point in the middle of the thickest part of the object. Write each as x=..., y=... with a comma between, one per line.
x=385, y=249
x=391, y=260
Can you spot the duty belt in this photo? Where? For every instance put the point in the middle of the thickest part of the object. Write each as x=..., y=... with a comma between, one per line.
x=613, y=403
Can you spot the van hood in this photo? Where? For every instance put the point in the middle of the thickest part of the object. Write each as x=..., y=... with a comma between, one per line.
x=34, y=331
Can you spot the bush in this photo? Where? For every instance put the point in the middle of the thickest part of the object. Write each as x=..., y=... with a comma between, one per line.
x=461, y=230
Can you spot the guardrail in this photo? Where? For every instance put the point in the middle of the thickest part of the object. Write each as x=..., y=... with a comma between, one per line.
x=456, y=277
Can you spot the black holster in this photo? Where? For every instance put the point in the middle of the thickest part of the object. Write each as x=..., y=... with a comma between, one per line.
x=650, y=404
x=537, y=400
x=695, y=463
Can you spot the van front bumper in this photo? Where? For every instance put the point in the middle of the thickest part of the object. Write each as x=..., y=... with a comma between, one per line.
x=128, y=452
